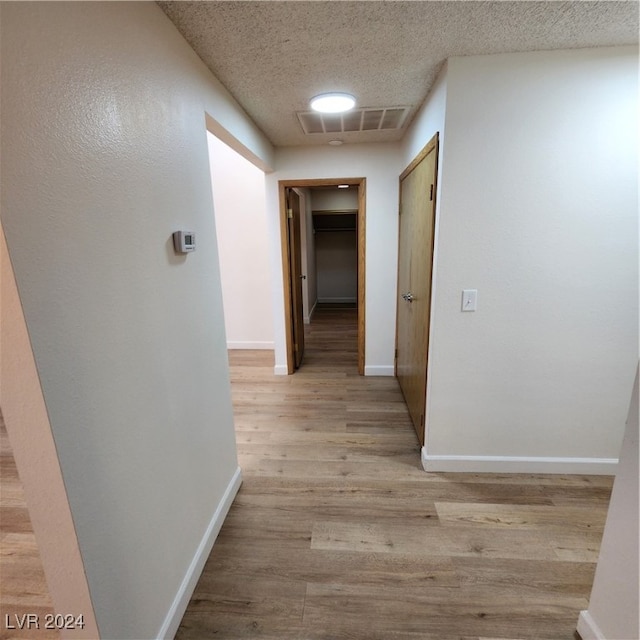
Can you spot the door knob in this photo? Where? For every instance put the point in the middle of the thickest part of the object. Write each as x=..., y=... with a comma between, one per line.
x=407, y=296
x=303, y=277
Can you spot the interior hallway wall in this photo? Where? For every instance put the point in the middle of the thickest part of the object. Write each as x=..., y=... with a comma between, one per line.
x=104, y=155
x=613, y=605
x=241, y=229
x=537, y=211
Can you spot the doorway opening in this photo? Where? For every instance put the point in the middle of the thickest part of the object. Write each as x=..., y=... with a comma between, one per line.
x=297, y=223
x=240, y=216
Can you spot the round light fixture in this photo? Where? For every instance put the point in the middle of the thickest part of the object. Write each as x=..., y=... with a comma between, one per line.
x=335, y=143
x=333, y=102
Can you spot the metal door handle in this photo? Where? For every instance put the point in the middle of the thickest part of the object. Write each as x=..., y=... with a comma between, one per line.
x=407, y=296
x=303, y=277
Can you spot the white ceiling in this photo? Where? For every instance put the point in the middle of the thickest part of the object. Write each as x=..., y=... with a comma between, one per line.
x=274, y=56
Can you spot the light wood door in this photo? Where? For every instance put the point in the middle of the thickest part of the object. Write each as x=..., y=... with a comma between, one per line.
x=295, y=269
x=415, y=260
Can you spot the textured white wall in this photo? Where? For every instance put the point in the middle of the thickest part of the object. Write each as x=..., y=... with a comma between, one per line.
x=104, y=155
x=427, y=122
x=538, y=211
x=241, y=229
x=613, y=606
x=34, y=453
x=380, y=165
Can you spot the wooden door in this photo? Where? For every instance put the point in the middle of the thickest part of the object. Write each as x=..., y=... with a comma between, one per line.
x=415, y=262
x=295, y=269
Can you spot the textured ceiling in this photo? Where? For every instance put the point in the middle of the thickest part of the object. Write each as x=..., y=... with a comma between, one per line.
x=274, y=56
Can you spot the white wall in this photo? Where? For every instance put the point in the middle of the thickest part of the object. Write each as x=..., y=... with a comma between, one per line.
x=104, y=155
x=34, y=453
x=241, y=229
x=335, y=199
x=613, y=606
x=429, y=120
x=380, y=165
x=538, y=211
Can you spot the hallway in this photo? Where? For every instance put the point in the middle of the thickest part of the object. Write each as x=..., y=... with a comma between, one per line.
x=337, y=532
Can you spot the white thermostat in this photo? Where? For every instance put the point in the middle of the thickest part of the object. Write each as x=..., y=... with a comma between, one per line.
x=184, y=241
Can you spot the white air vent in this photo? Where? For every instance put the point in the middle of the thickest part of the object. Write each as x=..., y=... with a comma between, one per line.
x=379, y=119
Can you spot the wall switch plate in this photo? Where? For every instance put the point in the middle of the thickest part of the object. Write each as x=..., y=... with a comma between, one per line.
x=469, y=299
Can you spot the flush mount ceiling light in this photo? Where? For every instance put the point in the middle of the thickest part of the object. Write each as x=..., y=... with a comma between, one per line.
x=333, y=102
x=335, y=143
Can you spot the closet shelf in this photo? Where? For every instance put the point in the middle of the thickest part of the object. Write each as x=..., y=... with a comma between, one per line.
x=342, y=221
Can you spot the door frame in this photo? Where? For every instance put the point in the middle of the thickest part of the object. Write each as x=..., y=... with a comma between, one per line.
x=432, y=145
x=294, y=245
x=286, y=270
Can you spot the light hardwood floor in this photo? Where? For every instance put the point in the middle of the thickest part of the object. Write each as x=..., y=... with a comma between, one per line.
x=338, y=534
x=23, y=589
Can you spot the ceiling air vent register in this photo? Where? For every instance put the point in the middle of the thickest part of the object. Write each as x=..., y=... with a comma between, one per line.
x=378, y=119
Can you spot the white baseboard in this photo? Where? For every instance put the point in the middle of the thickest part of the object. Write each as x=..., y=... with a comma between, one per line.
x=346, y=300
x=281, y=370
x=379, y=370
x=517, y=464
x=587, y=628
x=179, y=605
x=245, y=344
x=307, y=319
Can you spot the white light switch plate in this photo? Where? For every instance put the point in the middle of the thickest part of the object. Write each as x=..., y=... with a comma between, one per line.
x=469, y=299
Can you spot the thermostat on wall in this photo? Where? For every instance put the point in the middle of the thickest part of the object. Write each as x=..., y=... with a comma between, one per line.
x=184, y=241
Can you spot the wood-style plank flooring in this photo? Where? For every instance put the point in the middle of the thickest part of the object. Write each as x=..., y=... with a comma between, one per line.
x=338, y=534
x=23, y=589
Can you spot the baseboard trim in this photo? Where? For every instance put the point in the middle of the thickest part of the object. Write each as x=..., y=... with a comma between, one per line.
x=281, y=370
x=307, y=319
x=179, y=605
x=379, y=370
x=245, y=344
x=346, y=300
x=587, y=628
x=517, y=464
